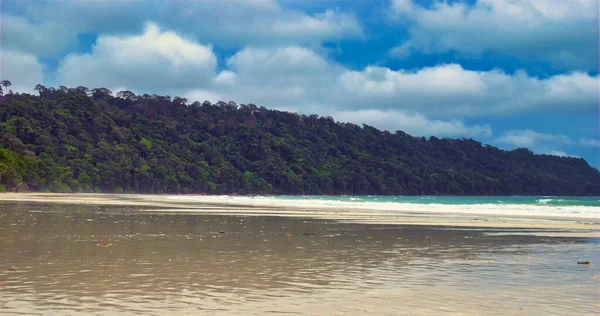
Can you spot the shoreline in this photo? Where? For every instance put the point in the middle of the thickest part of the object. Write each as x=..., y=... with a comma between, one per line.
x=469, y=216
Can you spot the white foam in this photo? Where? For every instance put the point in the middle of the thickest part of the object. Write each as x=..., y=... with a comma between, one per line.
x=540, y=210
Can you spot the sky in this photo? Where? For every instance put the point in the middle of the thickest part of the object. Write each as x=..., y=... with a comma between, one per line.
x=509, y=73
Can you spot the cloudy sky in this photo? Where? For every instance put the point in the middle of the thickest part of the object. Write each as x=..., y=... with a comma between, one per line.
x=511, y=73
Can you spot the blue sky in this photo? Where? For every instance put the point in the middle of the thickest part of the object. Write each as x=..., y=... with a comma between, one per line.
x=511, y=73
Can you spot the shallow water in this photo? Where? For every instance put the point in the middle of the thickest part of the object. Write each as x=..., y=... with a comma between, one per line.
x=71, y=260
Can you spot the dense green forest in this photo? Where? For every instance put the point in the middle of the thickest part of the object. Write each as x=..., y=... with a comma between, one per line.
x=81, y=140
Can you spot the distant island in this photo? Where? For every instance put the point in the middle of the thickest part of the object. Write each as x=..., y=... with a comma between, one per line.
x=82, y=140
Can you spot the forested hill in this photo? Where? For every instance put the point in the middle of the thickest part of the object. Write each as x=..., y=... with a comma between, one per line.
x=77, y=140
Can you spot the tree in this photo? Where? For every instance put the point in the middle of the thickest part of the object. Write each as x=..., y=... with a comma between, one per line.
x=6, y=84
x=40, y=89
x=101, y=93
x=128, y=95
x=180, y=101
x=82, y=90
x=73, y=141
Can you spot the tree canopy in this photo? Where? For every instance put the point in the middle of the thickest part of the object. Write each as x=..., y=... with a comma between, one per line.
x=89, y=140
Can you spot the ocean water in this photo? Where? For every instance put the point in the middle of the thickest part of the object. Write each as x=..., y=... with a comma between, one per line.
x=532, y=207
x=558, y=207
x=459, y=200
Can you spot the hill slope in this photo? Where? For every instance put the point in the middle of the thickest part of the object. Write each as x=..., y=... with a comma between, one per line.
x=67, y=141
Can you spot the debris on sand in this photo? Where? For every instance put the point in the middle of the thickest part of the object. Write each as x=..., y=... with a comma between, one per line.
x=104, y=245
x=8, y=270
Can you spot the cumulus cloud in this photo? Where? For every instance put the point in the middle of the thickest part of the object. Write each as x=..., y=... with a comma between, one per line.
x=153, y=61
x=288, y=78
x=451, y=91
x=414, y=124
x=22, y=35
x=541, y=143
x=589, y=142
x=529, y=139
x=564, y=33
x=45, y=27
x=23, y=70
x=245, y=22
x=202, y=95
x=51, y=27
x=226, y=77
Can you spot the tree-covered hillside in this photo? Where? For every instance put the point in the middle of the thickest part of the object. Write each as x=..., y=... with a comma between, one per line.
x=80, y=140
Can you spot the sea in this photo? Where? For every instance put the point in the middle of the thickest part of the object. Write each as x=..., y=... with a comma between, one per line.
x=585, y=207
x=455, y=200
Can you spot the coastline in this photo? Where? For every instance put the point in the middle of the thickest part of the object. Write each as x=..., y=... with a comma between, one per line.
x=564, y=224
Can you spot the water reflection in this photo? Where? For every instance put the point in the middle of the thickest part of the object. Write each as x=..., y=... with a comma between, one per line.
x=74, y=259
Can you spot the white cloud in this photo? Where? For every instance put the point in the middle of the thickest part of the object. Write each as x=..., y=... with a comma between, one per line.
x=151, y=62
x=51, y=27
x=226, y=77
x=532, y=139
x=539, y=143
x=564, y=33
x=24, y=71
x=414, y=124
x=46, y=27
x=291, y=78
x=20, y=34
x=203, y=95
x=451, y=91
x=589, y=142
x=245, y=22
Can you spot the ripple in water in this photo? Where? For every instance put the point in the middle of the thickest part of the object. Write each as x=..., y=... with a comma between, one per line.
x=55, y=260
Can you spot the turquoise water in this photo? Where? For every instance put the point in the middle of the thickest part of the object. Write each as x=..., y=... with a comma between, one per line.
x=460, y=200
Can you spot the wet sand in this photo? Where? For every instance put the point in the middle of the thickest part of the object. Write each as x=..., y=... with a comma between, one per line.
x=69, y=259
x=425, y=215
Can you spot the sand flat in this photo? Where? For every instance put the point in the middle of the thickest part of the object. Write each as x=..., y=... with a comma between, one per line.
x=495, y=216
x=79, y=259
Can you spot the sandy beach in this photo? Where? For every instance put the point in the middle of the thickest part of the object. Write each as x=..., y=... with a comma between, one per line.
x=472, y=216
x=105, y=259
x=78, y=254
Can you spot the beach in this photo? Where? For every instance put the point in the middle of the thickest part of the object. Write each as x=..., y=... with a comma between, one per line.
x=571, y=221
x=171, y=255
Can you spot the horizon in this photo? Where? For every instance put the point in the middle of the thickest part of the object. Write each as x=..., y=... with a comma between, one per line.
x=394, y=65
